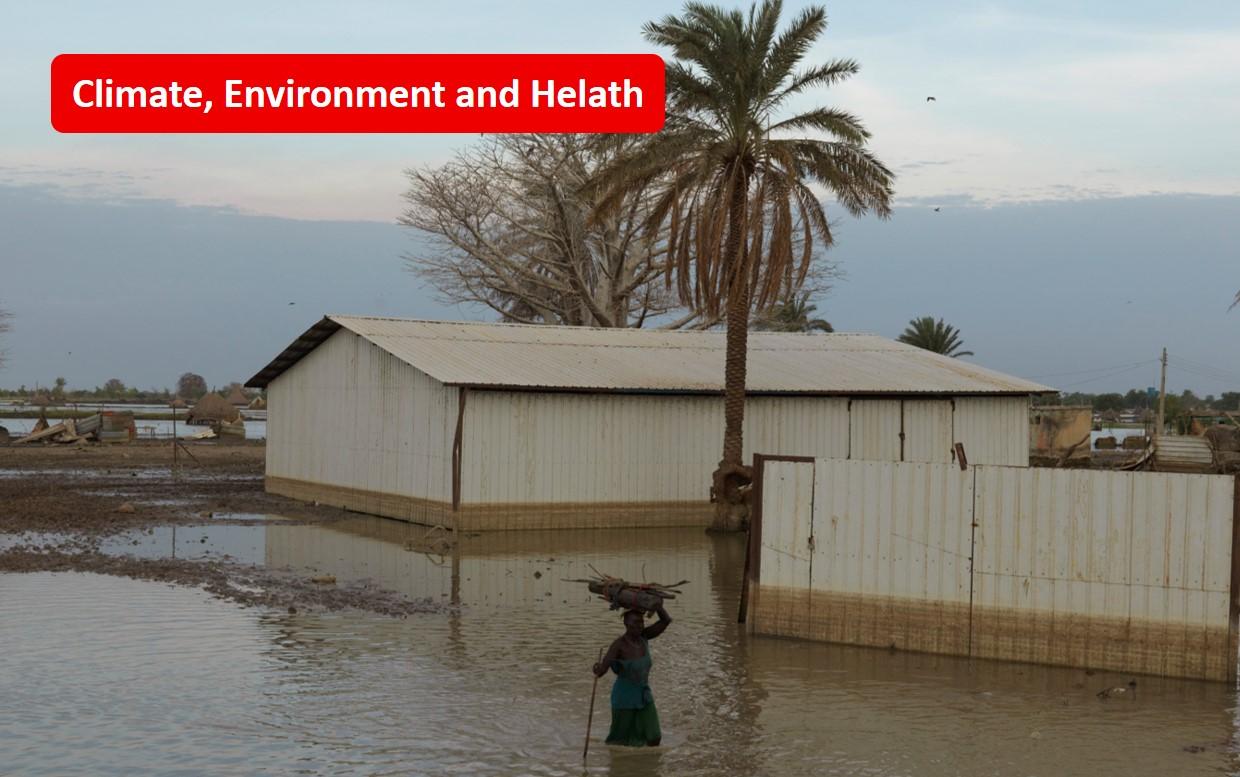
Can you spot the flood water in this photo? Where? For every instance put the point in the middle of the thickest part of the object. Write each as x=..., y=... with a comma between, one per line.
x=108, y=676
x=1118, y=432
x=149, y=429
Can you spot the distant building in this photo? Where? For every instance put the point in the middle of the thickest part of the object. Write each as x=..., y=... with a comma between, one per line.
x=492, y=426
x=1055, y=430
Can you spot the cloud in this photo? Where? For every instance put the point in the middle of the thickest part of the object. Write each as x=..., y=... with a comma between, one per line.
x=1029, y=107
x=335, y=189
x=1187, y=71
x=1034, y=107
x=922, y=163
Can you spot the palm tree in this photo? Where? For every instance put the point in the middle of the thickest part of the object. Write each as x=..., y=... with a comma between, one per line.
x=733, y=180
x=935, y=336
x=792, y=315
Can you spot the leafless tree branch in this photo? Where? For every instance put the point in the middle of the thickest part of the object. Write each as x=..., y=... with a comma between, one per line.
x=509, y=225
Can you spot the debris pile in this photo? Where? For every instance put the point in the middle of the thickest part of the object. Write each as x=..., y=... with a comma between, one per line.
x=109, y=426
x=1225, y=443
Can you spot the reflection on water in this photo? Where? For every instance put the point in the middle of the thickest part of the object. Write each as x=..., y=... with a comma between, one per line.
x=110, y=676
x=1118, y=432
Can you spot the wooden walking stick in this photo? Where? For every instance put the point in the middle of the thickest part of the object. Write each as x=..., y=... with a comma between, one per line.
x=590, y=719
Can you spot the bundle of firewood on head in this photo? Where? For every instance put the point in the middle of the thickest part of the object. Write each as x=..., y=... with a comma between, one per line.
x=620, y=593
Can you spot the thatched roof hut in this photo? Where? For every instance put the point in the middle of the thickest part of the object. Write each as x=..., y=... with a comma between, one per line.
x=258, y=404
x=212, y=407
x=41, y=400
x=237, y=397
x=177, y=403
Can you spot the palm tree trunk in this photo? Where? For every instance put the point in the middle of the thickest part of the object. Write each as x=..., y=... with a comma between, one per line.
x=731, y=512
x=734, y=374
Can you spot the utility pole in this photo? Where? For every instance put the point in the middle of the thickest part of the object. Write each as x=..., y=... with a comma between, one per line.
x=175, y=471
x=1162, y=397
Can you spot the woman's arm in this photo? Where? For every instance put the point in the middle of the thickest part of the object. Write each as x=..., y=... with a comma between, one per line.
x=658, y=627
x=602, y=667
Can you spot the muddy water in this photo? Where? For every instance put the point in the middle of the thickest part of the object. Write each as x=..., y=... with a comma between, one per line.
x=114, y=676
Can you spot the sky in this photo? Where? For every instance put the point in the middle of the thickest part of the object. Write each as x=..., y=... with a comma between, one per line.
x=1083, y=157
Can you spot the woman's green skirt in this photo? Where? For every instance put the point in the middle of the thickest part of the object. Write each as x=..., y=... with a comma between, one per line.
x=634, y=728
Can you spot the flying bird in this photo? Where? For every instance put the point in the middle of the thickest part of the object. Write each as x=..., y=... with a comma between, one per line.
x=931, y=100
x=936, y=210
x=292, y=303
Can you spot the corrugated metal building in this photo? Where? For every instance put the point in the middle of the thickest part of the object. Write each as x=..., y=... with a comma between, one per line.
x=492, y=426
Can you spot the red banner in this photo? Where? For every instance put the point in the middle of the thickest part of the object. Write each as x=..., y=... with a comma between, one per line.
x=321, y=93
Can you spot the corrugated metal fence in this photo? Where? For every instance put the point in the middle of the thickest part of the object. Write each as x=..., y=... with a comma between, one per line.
x=1110, y=570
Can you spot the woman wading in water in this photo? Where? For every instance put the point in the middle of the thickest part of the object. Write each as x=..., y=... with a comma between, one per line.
x=634, y=720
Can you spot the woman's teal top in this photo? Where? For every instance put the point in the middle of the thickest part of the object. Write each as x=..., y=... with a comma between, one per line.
x=632, y=688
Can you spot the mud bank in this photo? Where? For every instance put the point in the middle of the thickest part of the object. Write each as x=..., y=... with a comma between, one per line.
x=60, y=504
x=246, y=585
x=84, y=490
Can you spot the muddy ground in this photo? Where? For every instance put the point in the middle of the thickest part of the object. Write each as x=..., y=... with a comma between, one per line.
x=58, y=502
x=82, y=489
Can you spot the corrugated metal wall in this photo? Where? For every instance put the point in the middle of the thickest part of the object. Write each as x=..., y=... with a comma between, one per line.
x=796, y=426
x=874, y=429
x=894, y=537
x=994, y=430
x=351, y=415
x=785, y=607
x=1104, y=569
x=888, y=561
x=786, y=549
x=1111, y=570
x=532, y=447
x=582, y=448
x=928, y=430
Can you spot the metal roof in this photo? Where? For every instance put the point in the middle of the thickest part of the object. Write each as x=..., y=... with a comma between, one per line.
x=517, y=356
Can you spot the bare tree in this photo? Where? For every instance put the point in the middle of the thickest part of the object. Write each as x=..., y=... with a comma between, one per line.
x=513, y=226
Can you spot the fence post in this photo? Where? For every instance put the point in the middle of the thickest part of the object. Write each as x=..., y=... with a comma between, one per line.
x=753, y=541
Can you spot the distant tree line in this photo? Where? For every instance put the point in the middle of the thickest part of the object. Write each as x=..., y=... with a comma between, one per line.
x=113, y=389
x=1142, y=399
x=190, y=387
